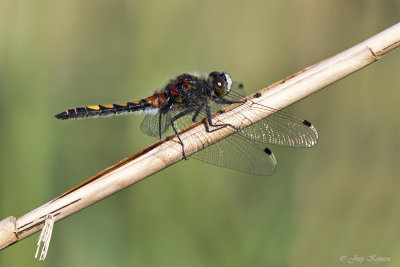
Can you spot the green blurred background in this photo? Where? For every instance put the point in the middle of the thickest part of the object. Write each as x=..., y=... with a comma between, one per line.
x=339, y=198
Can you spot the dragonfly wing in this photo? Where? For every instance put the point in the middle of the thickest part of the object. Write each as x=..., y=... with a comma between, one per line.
x=151, y=123
x=278, y=128
x=154, y=124
x=238, y=153
x=282, y=129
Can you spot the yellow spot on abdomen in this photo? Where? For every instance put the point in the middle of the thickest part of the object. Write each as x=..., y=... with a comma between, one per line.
x=108, y=106
x=94, y=107
x=122, y=104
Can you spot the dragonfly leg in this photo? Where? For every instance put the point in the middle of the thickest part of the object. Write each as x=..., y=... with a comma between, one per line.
x=173, y=119
x=210, y=123
x=225, y=101
x=196, y=114
x=159, y=125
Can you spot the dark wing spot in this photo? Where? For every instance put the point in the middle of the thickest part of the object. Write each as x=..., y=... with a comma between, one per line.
x=266, y=150
x=307, y=123
x=257, y=95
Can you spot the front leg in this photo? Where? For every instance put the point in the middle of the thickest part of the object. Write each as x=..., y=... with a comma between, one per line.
x=210, y=123
x=173, y=119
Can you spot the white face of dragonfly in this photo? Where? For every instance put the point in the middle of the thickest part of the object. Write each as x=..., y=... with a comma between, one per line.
x=228, y=81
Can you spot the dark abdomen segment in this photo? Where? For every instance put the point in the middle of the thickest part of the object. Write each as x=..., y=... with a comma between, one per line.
x=105, y=110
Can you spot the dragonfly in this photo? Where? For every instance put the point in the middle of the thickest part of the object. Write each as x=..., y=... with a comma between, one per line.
x=191, y=97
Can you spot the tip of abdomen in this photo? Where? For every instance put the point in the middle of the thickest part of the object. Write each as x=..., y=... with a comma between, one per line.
x=62, y=116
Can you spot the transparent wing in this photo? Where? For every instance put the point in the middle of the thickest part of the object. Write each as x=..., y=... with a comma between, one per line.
x=238, y=153
x=237, y=92
x=151, y=123
x=157, y=125
x=278, y=128
x=282, y=129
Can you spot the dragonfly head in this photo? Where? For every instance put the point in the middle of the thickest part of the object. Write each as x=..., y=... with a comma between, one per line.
x=222, y=82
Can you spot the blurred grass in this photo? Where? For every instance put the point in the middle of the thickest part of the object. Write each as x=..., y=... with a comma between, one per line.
x=339, y=198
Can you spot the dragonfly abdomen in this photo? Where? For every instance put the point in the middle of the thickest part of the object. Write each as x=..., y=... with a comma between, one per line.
x=105, y=110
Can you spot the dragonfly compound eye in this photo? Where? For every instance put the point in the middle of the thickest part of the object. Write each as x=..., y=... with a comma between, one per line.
x=220, y=88
x=222, y=83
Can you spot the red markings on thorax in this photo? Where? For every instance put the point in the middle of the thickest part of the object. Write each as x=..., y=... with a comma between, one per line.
x=172, y=89
x=180, y=84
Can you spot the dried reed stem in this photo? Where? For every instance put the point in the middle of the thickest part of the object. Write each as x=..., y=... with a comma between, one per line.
x=168, y=151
